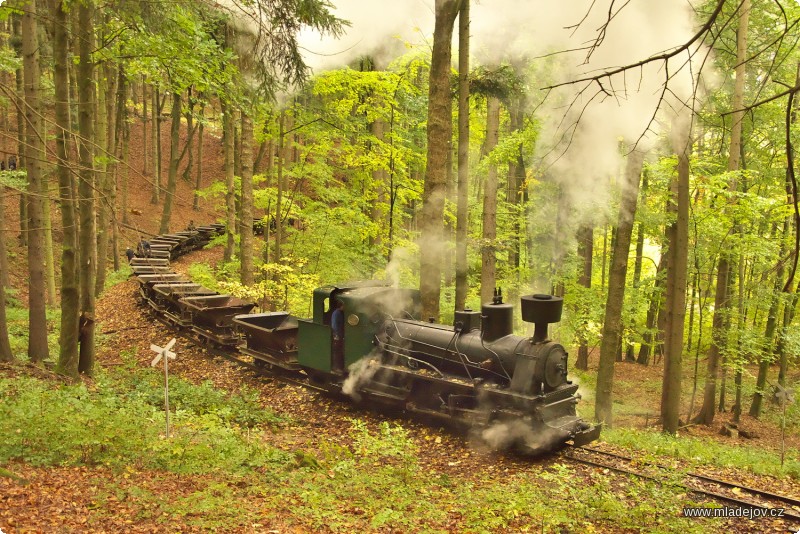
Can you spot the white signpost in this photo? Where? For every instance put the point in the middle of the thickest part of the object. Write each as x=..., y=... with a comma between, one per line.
x=164, y=354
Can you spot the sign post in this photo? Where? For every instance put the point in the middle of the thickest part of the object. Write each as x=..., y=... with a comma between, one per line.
x=164, y=354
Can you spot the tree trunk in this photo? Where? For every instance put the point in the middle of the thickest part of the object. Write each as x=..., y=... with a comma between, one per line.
x=5, y=347
x=612, y=325
x=488, y=258
x=190, y=128
x=677, y=277
x=585, y=253
x=156, y=133
x=125, y=154
x=462, y=202
x=199, y=182
x=102, y=178
x=230, y=195
x=116, y=113
x=34, y=155
x=20, y=95
x=722, y=300
x=172, y=176
x=246, y=239
x=86, y=187
x=68, y=356
x=439, y=137
x=145, y=97
x=279, y=181
x=767, y=354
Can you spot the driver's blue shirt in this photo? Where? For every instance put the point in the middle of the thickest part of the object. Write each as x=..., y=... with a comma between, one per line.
x=337, y=323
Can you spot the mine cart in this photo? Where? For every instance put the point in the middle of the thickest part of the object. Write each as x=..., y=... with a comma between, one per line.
x=270, y=338
x=155, y=262
x=212, y=316
x=219, y=228
x=147, y=281
x=150, y=269
x=166, y=299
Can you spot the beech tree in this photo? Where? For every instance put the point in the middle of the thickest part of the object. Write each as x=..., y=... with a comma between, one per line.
x=34, y=156
x=439, y=140
x=612, y=326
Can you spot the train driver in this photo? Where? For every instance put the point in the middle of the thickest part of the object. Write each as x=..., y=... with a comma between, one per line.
x=337, y=332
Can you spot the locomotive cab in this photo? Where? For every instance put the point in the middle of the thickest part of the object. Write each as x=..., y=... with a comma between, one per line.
x=366, y=306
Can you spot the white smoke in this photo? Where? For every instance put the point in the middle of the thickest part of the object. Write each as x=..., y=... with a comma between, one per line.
x=360, y=373
x=521, y=434
x=579, y=144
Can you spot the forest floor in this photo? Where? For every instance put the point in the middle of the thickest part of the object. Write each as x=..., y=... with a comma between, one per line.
x=96, y=498
x=79, y=498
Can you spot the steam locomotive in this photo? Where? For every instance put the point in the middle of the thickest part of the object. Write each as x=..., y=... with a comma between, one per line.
x=510, y=392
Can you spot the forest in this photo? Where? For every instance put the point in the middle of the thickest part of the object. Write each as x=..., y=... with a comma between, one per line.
x=636, y=160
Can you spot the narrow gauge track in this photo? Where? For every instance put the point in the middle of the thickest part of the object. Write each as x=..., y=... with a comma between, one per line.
x=693, y=482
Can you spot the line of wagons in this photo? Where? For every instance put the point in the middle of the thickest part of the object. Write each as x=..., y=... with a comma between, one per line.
x=475, y=374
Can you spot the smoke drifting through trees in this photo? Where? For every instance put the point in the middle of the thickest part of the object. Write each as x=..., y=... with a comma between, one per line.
x=579, y=144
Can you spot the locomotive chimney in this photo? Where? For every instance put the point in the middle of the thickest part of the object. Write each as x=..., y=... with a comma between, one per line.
x=541, y=310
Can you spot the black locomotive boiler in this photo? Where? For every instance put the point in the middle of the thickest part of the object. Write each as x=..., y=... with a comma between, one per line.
x=509, y=391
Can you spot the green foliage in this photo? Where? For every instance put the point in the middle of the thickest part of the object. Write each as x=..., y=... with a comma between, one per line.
x=116, y=277
x=282, y=284
x=17, y=179
x=702, y=451
x=118, y=423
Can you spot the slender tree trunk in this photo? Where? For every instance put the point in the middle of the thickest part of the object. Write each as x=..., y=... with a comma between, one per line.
x=34, y=155
x=20, y=95
x=722, y=300
x=246, y=239
x=145, y=154
x=6, y=355
x=649, y=338
x=50, y=265
x=462, y=202
x=172, y=176
x=637, y=267
x=199, y=181
x=488, y=258
x=767, y=354
x=156, y=132
x=190, y=128
x=86, y=189
x=230, y=196
x=126, y=163
x=677, y=277
x=585, y=253
x=70, y=283
x=612, y=326
x=279, y=200
x=439, y=135
x=790, y=302
x=379, y=175
x=116, y=113
x=102, y=132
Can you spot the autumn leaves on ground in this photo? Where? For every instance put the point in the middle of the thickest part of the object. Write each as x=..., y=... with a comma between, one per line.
x=254, y=454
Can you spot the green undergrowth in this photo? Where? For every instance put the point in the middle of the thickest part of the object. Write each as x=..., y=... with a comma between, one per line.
x=374, y=480
x=697, y=451
x=119, y=421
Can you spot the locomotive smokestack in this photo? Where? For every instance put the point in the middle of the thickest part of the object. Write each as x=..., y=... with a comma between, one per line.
x=541, y=310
